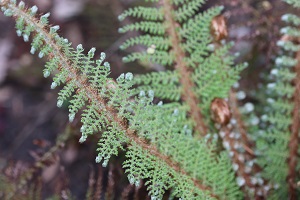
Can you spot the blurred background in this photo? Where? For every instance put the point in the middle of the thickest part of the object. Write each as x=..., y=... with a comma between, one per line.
x=39, y=149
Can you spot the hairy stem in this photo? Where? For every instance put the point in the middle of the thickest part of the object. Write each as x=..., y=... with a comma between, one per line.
x=237, y=158
x=188, y=94
x=240, y=124
x=293, y=144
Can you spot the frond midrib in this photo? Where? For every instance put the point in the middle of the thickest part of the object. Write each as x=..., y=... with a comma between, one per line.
x=188, y=94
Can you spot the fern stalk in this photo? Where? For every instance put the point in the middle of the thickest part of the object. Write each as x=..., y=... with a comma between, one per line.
x=188, y=94
x=294, y=139
x=240, y=123
x=236, y=142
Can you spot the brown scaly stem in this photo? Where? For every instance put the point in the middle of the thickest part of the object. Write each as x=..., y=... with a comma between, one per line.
x=93, y=97
x=244, y=172
x=188, y=94
x=239, y=158
x=99, y=186
x=240, y=124
x=293, y=144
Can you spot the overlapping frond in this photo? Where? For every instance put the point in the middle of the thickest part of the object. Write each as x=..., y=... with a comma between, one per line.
x=280, y=142
x=181, y=39
x=158, y=137
x=197, y=159
x=159, y=82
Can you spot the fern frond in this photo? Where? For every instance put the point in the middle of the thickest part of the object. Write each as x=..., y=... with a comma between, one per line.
x=149, y=26
x=188, y=10
x=160, y=43
x=144, y=13
x=159, y=57
x=187, y=48
x=279, y=145
x=159, y=82
x=108, y=106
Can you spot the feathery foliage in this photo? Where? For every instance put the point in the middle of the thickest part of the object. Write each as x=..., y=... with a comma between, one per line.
x=295, y=3
x=279, y=143
x=151, y=132
x=173, y=146
x=179, y=37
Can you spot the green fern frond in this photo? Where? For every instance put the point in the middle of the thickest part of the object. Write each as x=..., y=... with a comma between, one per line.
x=185, y=44
x=159, y=82
x=279, y=143
x=187, y=10
x=148, y=26
x=154, y=134
x=159, y=57
x=147, y=40
x=144, y=13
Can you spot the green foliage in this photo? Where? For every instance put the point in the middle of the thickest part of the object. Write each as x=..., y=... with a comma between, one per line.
x=274, y=145
x=86, y=81
x=164, y=83
x=195, y=40
x=162, y=141
x=207, y=63
x=151, y=132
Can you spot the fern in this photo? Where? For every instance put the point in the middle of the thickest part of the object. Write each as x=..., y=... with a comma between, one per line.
x=178, y=37
x=109, y=107
x=198, y=64
x=175, y=144
x=279, y=143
